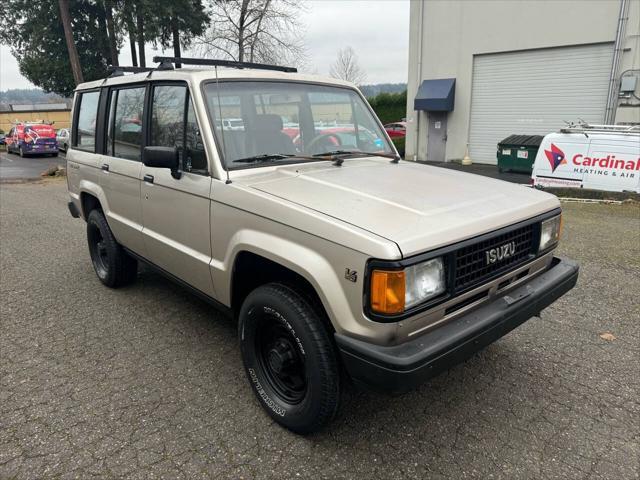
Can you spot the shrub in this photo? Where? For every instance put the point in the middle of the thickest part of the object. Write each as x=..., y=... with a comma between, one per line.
x=399, y=142
x=390, y=107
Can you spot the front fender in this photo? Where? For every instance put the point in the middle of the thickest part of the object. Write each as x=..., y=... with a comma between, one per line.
x=318, y=261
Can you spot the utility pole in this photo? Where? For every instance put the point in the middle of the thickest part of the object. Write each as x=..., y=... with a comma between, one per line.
x=71, y=46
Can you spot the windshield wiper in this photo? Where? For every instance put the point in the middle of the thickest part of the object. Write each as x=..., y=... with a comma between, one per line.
x=358, y=153
x=269, y=157
x=266, y=157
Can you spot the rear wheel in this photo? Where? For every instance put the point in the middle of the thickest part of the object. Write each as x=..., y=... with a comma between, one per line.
x=289, y=358
x=112, y=264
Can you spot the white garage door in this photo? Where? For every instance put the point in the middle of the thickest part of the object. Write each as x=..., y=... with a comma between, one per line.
x=534, y=92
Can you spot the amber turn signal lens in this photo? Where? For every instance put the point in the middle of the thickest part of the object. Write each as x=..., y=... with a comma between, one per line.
x=560, y=227
x=387, y=291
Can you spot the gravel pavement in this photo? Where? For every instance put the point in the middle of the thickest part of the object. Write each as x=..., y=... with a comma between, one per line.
x=146, y=381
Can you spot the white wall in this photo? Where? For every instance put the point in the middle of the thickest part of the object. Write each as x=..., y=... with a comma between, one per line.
x=454, y=30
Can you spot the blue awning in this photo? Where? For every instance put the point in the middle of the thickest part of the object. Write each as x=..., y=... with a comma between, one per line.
x=436, y=95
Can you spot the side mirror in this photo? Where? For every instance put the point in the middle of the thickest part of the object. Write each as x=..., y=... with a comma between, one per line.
x=162, y=157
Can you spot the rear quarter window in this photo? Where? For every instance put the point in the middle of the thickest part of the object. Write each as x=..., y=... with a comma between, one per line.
x=86, y=121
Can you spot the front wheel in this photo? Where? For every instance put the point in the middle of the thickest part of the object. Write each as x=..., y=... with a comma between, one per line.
x=289, y=358
x=112, y=264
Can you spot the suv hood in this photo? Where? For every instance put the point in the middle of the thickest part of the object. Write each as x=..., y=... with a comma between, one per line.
x=416, y=206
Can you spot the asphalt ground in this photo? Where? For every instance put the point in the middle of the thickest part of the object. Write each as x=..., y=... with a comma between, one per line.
x=485, y=170
x=147, y=382
x=14, y=168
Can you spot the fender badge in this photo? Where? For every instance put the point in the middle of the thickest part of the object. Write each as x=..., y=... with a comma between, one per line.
x=351, y=275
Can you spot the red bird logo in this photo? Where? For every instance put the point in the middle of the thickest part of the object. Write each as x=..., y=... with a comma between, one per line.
x=556, y=157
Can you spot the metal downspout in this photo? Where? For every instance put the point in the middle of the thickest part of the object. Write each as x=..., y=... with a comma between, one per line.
x=420, y=39
x=612, y=94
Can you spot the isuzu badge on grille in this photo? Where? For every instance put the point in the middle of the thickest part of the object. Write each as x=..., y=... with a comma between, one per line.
x=500, y=253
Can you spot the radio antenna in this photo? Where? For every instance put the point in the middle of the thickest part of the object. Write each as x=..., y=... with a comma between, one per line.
x=224, y=149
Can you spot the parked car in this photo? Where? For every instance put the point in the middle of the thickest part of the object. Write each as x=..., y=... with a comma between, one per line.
x=2, y=137
x=31, y=139
x=397, y=129
x=63, y=138
x=599, y=157
x=339, y=261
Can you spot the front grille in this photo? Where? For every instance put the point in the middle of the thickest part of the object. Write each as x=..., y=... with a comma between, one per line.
x=471, y=266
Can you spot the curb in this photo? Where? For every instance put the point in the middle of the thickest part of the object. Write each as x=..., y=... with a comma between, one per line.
x=601, y=196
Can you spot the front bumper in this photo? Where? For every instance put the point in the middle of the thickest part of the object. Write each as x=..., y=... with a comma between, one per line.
x=403, y=367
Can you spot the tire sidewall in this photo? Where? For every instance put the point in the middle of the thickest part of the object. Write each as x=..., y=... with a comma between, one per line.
x=96, y=220
x=298, y=416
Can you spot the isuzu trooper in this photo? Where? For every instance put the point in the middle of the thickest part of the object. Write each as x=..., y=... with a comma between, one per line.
x=279, y=198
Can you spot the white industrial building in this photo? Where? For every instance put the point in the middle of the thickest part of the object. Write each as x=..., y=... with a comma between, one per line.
x=480, y=71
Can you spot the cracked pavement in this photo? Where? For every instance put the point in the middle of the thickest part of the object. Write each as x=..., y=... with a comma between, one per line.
x=147, y=382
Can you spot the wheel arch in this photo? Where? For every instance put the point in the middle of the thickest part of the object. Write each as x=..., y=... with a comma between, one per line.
x=251, y=270
x=91, y=197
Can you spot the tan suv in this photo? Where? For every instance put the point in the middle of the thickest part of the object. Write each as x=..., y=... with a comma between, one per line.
x=280, y=199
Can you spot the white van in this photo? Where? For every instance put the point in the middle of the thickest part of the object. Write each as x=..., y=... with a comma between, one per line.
x=598, y=157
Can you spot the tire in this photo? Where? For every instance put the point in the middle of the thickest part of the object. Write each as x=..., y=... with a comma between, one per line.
x=289, y=358
x=54, y=154
x=114, y=267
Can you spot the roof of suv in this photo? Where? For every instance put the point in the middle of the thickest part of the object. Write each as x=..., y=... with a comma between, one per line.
x=197, y=75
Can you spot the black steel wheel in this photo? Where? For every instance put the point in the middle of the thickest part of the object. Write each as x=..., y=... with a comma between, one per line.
x=113, y=266
x=280, y=359
x=289, y=358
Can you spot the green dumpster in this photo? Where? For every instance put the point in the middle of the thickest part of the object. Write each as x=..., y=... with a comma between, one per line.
x=517, y=153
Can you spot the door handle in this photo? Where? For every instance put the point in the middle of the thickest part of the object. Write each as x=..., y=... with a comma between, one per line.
x=105, y=167
x=148, y=178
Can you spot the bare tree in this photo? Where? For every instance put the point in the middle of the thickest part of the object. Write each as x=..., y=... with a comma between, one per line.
x=266, y=31
x=346, y=67
x=71, y=46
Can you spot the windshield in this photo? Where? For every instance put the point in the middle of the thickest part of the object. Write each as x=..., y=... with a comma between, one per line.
x=279, y=121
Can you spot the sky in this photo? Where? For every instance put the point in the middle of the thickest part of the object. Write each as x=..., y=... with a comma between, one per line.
x=377, y=30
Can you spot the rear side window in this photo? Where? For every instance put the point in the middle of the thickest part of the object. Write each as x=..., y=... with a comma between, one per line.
x=124, y=131
x=86, y=126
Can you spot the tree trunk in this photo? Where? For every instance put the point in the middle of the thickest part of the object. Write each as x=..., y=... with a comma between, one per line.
x=140, y=36
x=176, y=40
x=71, y=46
x=131, y=31
x=104, y=30
x=113, y=44
x=241, y=29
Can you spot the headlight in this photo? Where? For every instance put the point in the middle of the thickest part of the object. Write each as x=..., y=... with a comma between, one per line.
x=550, y=232
x=395, y=291
x=424, y=281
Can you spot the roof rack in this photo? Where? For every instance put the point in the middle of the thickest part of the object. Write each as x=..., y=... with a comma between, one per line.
x=585, y=128
x=119, y=71
x=222, y=63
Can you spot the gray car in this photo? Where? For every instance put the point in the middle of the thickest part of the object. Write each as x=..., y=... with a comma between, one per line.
x=62, y=137
x=279, y=198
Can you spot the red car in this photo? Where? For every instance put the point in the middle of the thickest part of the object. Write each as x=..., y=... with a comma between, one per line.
x=396, y=129
x=32, y=138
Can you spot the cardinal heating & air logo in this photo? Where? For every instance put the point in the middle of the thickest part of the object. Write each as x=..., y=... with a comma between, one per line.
x=556, y=157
